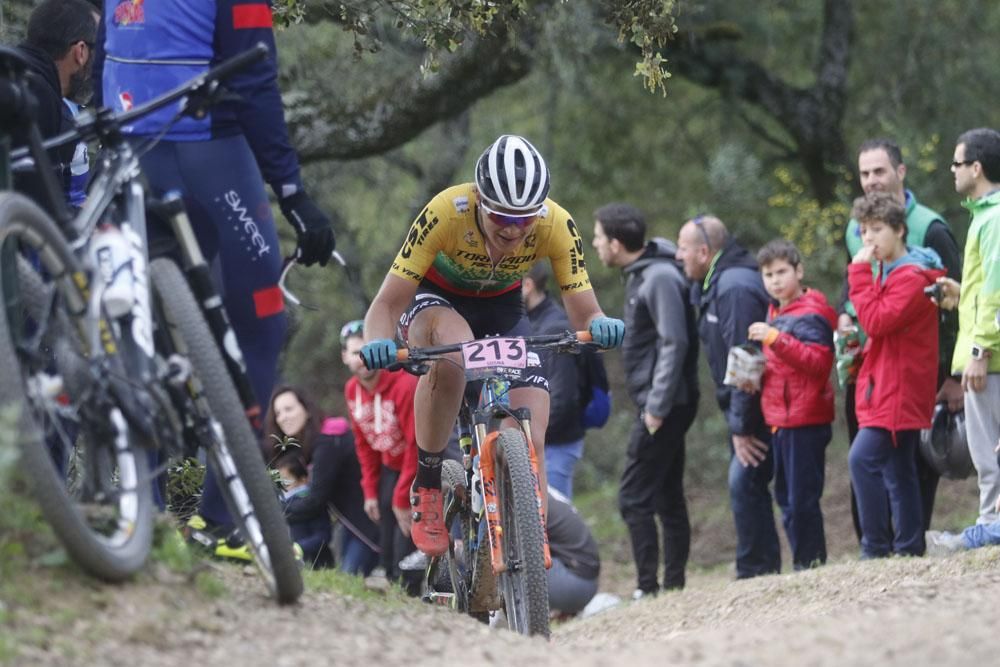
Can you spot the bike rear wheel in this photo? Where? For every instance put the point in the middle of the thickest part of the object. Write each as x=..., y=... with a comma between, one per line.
x=250, y=494
x=87, y=467
x=524, y=584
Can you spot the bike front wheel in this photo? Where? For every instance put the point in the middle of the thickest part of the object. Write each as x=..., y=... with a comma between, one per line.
x=250, y=494
x=524, y=584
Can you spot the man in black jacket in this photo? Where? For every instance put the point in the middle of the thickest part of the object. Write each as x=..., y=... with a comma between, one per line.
x=660, y=356
x=59, y=47
x=730, y=296
x=564, y=435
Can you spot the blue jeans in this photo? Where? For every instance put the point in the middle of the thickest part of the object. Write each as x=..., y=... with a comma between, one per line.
x=356, y=557
x=560, y=460
x=878, y=465
x=978, y=535
x=799, y=460
x=757, y=550
x=568, y=592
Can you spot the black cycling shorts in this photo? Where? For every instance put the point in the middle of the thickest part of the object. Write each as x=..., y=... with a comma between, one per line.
x=501, y=315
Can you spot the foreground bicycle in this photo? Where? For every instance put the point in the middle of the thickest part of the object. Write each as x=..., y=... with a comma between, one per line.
x=498, y=550
x=106, y=356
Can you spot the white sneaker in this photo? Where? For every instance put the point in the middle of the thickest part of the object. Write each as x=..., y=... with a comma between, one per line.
x=943, y=543
x=639, y=594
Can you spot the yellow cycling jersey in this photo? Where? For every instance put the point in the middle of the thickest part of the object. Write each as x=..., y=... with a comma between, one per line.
x=446, y=247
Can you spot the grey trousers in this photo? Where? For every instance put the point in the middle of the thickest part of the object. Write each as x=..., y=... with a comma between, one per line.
x=982, y=423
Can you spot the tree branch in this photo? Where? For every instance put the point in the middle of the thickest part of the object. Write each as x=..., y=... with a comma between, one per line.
x=404, y=108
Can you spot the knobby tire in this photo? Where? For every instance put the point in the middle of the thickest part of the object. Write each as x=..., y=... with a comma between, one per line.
x=524, y=585
x=274, y=558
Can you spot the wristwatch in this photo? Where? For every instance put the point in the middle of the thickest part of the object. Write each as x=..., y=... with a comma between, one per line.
x=979, y=352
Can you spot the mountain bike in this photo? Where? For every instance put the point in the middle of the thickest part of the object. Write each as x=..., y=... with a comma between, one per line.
x=107, y=357
x=498, y=550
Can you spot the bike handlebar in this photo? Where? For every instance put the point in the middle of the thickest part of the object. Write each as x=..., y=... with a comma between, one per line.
x=568, y=339
x=95, y=125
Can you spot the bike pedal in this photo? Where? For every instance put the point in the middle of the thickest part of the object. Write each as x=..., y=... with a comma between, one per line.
x=440, y=599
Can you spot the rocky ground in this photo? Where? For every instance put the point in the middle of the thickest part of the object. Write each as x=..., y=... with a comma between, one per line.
x=893, y=612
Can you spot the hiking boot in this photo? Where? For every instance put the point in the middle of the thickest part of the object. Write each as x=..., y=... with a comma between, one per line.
x=428, y=531
x=943, y=543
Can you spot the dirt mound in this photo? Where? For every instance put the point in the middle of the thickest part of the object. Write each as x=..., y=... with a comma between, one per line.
x=892, y=612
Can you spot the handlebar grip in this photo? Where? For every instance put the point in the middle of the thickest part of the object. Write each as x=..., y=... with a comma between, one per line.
x=402, y=355
x=258, y=52
x=584, y=337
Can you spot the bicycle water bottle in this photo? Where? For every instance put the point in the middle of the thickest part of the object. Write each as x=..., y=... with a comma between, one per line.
x=113, y=259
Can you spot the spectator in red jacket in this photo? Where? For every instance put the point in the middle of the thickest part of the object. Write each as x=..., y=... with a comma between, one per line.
x=897, y=382
x=380, y=405
x=796, y=395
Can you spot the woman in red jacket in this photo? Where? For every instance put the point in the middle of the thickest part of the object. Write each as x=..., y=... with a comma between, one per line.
x=796, y=396
x=897, y=383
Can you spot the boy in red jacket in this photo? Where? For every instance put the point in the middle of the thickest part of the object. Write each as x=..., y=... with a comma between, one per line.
x=380, y=405
x=897, y=382
x=796, y=395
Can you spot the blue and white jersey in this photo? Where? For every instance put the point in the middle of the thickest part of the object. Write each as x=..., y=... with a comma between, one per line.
x=79, y=166
x=153, y=47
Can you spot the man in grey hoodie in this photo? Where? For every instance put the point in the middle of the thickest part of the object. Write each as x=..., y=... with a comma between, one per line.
x=660, y=356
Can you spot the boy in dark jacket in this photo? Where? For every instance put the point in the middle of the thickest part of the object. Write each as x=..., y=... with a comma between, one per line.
x=896, y=385
x=796, y=395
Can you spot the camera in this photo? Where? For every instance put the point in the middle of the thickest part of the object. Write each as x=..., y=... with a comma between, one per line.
x=935, y=292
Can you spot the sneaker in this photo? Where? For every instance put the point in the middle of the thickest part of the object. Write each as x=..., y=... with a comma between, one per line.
x=943, y=543
x=639, y=594
x=216, y=540
x=428, y=531
x=415, y=562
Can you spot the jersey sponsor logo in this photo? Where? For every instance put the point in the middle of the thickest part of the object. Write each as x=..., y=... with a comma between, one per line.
x=515, y=261
x=472, y=257
x=250, y=227
x=129, y=12
x=405, y=271
x=419, y=230
x=574, y=286
x=530, y=240
x=125, y=100
x=576, y=264
x=470, y=239
x=461, y=204
x=256, y=15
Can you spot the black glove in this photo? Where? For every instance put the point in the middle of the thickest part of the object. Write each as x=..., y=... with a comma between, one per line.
x=312, y=227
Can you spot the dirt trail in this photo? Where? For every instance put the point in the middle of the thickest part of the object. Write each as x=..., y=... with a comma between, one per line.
x=895, y=612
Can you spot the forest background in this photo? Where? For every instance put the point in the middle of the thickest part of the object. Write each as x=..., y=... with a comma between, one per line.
x=752, y=111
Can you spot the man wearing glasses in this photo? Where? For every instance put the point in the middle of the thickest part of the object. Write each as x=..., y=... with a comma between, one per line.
x=457, y=277
x=976, y=168
x=881, y=169
x=729, y=294
x=59, y=47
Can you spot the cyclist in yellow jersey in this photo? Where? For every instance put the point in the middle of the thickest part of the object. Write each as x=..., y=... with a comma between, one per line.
x=457, y=277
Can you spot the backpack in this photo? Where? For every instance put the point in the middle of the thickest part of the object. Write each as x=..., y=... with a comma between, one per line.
x=595, y=399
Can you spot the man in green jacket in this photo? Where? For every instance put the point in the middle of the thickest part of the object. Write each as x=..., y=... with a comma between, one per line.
x=976, y=167
x=881, y=169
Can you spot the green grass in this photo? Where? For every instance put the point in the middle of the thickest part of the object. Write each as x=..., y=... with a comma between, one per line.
x=351, y=586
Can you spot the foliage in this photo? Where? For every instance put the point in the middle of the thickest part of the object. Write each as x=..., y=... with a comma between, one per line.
x=185, y=479
x=353, y=587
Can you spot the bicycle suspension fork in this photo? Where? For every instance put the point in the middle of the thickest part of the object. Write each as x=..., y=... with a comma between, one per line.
x=200, y=278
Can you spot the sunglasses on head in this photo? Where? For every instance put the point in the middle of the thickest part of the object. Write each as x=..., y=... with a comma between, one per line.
x=508, y=219
x=352, y=328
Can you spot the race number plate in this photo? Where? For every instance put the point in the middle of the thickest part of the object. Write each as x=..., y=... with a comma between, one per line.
x=495, y=353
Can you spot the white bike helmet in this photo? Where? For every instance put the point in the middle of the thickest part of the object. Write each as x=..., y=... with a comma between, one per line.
x=512, y=174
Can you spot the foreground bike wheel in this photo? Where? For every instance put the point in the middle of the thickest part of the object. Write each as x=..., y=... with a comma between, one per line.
x=524, y=585
x=246, y=485
x=86, y=466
